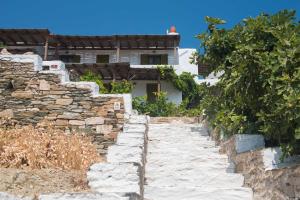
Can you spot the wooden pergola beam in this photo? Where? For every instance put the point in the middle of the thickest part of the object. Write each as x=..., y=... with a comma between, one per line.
x=121, y=41
x=32, y=37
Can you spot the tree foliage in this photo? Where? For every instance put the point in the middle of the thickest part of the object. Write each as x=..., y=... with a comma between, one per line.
x=259, y=91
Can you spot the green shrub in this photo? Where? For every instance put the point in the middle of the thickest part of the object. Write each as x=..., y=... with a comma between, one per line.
x=2, y=45
x=121, y=87
x=161, y=107
x=90, y=76
x=191, y=93
x=259, y=91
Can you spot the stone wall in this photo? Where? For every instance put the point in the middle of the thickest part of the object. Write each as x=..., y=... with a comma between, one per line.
x=268, y=176
x=33, y=97
x=281, y=183
x=121, y=177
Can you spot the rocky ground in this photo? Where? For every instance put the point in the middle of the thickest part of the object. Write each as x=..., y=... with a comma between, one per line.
x=32, y=182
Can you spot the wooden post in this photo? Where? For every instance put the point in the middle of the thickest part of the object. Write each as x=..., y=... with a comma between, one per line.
x=46, y=50
x=118, y=51
x=56, y=52
x=114, y=76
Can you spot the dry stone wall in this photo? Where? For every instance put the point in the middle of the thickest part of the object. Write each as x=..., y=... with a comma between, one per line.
x=121, y=177
x=268, y=176
x=32, y=97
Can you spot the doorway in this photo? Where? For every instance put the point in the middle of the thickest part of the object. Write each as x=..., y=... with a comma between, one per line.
x=152, y=88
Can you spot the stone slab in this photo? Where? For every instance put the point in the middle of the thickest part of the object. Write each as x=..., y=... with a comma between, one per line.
x=137, y=119
x=129, y=140
x=134, y=128
x=115, y=177
x=247, y=142
x=6, y=196
x=8, y=113
x=271, y=159
x=82, y=196
x=94, y=121
x=118, y=153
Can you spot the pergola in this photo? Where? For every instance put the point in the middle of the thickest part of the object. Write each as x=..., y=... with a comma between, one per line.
x=42, y=37
x=115, y=41
x=24, y=37
x=115, y=71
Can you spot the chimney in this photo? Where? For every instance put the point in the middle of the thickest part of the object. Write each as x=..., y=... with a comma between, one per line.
x=172, y=31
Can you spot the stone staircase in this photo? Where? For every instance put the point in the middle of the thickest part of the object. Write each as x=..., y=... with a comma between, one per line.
x=184, y=164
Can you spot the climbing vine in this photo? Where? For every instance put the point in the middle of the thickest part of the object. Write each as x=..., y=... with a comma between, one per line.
x=184, y=82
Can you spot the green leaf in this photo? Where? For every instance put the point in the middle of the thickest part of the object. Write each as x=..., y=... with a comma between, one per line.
x=297, y=133
x=212, y=20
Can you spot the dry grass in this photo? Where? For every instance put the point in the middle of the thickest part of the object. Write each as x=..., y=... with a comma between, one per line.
x=33, y=148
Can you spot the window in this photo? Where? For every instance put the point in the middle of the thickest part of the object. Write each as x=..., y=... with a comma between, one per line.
x=102, y=59
x=70, y=58
x=202, y=69
x=151, y=89
x=147, y=59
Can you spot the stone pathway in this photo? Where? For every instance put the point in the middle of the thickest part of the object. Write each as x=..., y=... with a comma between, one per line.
x=184, y=164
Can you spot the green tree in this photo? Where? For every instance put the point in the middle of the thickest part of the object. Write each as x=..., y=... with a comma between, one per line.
x=259, y=91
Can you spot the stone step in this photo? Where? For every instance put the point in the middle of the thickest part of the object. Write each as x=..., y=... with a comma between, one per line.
x=138, y=119
x=169, y=155
x=83, y=196
x=115, y=177
x=127, y=140
x=117, y=153
x=159, y=165
x=184, y=164
x=200, y=149
x=197, y=193
x=167, y=139
x=133, y=128
x=217, y=180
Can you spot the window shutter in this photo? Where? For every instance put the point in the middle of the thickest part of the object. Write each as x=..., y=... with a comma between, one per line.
x=70, y=58
x=144, y=59
x=76, y=59
x=164, y=59
x=102, y=59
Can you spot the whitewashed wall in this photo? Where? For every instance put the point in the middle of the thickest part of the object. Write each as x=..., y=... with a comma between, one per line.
x=173, y=94
x=184, y=64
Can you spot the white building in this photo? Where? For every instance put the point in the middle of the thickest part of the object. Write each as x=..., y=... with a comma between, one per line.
x=116, y=57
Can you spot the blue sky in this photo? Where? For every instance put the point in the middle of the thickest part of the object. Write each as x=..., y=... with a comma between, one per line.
x=105, y=17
